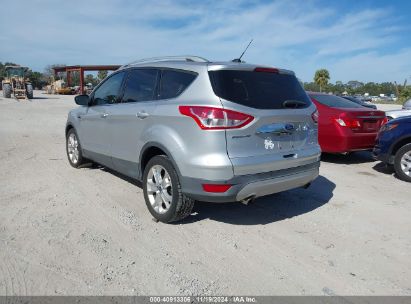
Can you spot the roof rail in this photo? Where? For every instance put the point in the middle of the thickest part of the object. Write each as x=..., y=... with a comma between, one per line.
x=188, y=58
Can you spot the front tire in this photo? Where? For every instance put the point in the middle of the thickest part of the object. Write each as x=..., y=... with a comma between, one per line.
x=73, y=149
x=7, y=90
x=162, y=191
x=402, y=163
x=29, y=91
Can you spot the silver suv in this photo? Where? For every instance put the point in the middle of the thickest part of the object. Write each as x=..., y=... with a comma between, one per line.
x=190, y=129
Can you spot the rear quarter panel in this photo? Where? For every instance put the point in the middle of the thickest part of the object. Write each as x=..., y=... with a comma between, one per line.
x=197, y=153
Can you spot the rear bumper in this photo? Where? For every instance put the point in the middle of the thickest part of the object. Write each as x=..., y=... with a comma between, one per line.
x=350, y=143
x=253, y=185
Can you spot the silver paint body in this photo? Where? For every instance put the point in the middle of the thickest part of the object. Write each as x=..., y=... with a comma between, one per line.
x=397, y=113
x=116, y=135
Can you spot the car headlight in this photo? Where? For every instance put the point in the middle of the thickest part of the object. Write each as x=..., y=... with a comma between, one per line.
x=388, y=127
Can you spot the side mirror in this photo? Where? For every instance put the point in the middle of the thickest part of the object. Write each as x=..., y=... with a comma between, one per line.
x=82, y=100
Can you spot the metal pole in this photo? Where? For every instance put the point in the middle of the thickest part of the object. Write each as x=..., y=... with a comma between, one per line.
x=68, y=78
x=81, y=81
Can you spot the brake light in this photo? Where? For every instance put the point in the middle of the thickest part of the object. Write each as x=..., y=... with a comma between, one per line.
x=209, y=118
x=384, y=121
x=216, y=188
x=348, y=122
x=266, y=70
x=315, y=115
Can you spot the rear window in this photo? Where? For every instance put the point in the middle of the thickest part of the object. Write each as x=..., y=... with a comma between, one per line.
x=260, y=90
x=173, y=83
x=353, y=99
x=140, y=85
x=335, y=101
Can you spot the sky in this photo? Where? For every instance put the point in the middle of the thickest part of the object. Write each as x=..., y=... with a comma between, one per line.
x=364, y=40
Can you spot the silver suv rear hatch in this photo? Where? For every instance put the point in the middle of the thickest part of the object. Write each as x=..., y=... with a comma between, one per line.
x=282, y=134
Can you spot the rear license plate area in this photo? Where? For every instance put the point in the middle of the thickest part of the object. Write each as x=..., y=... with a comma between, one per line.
x=370, y=125
x=283, y=142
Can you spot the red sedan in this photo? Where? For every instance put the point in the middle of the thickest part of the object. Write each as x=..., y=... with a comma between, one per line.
x=345, y=126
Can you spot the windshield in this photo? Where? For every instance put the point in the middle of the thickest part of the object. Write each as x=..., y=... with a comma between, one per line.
x=15, y=72
x=334, y=101
x=260, y=90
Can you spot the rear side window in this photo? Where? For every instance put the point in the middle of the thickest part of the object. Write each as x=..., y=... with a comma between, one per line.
x=140, y=85
x=173, y=83
x=335, y=101
x=260, y=90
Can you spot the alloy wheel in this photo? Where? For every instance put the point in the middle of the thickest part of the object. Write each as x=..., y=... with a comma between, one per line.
x=72, y=148
x=406, y=163
x=159, y=189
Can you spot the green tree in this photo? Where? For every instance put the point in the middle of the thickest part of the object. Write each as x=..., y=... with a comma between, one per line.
x=89, y=78
x=321, y=78
x=101, y=75
x=311, y=86
x=405, y=94
x=37, y=79
x=339, y=87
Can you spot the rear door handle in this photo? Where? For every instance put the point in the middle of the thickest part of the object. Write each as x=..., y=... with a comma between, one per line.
x=142, y=114
x=104, y=115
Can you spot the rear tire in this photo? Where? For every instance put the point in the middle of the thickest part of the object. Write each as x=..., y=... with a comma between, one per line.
x=162, y=191
x=7, y=90
x=29, y=91
x=402, y=163
x=73, y=149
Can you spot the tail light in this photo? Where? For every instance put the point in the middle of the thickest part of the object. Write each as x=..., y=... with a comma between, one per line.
x=209, y=118
x=348, y=122
x=266, y=70
x=216, y=188
x=315, y=116
x=384, y=121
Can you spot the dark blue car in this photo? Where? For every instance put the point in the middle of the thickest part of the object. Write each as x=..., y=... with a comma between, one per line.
x=393, y=146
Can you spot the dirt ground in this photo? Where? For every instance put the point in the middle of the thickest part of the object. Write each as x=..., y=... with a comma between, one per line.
x=87, y=232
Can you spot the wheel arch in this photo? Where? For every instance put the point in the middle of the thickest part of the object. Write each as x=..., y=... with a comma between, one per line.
x=399, y=143
x=152, y=149
x=69, y=126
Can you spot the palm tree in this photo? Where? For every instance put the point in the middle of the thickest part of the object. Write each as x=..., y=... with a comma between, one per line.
x=321, y=78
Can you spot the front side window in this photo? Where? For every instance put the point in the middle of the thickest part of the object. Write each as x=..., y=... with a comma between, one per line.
x=173, y=83
x=140, y=85
x=109, y=90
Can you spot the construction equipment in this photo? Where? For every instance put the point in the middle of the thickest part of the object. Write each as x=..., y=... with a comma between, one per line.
x=58, y=87
x=16, y=84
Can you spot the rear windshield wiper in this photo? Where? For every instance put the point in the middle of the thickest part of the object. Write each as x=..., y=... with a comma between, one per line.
x=294, y=104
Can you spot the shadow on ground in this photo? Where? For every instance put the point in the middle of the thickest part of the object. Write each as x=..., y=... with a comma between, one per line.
x=383, y=168
x=267, y=209
x=386, y=169
x=349, y=159
x=94, y=166
x=40, y=98
x=262, y=211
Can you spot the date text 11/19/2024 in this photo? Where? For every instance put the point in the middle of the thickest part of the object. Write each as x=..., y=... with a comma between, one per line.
x=203, y=299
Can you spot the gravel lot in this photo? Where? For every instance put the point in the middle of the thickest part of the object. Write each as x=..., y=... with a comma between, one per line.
x=87, y=232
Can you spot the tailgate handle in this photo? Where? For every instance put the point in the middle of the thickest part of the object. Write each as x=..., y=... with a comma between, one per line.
x=281, y=128
x=290, y=155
